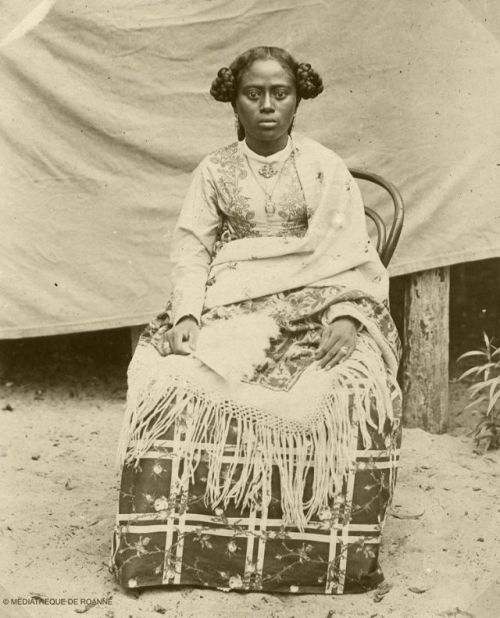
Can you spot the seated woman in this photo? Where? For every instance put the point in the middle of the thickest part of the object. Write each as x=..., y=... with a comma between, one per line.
x=261, y=438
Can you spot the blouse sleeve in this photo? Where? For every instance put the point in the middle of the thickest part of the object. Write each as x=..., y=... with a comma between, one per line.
x=192, y=242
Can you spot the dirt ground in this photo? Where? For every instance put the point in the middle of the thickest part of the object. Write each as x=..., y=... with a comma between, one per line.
x=441, y=550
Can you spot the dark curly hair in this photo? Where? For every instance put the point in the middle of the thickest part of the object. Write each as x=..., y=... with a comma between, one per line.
x=224, y=88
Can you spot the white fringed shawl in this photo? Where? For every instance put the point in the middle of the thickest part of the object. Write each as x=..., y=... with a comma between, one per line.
x=335, y=250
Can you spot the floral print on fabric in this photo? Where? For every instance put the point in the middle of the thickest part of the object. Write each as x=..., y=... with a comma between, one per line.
x=231, y=170
x=166, y=535
x=301, y=315
x=291, y=205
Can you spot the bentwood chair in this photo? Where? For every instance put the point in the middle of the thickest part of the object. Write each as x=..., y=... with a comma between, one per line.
x=386, y=241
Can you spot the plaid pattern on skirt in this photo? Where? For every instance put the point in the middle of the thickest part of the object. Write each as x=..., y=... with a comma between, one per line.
x=166, y=535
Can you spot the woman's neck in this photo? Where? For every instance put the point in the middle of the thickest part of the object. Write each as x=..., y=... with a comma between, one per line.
x=267, y=148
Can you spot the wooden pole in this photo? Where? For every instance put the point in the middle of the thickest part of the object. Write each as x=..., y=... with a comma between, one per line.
x=426, y=350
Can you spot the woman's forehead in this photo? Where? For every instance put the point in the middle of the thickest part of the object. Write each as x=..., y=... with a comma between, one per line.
x=267, y=71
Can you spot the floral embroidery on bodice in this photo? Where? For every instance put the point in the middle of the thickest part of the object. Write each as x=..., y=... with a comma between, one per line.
x=242, y=198
x=233, y=204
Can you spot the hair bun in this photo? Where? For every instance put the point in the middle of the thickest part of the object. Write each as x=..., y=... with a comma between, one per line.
x=309, y=83
x=224, y=85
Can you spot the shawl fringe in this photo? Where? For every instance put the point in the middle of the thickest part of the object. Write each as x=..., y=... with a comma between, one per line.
x=321, y=443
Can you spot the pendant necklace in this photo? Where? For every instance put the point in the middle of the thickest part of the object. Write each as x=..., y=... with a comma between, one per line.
x=268, y=171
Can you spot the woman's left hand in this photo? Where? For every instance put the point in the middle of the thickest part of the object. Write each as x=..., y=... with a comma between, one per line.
x=338, y=342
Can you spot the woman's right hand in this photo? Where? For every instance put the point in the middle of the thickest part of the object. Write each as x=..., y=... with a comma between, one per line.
x=183, y=336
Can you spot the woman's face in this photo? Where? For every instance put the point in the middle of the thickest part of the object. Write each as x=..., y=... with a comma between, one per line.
x=265, y=103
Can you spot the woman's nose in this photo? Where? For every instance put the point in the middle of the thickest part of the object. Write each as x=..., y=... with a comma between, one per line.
x=267, y=103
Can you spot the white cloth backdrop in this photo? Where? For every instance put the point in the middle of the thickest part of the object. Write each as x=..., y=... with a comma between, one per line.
x=104, y=112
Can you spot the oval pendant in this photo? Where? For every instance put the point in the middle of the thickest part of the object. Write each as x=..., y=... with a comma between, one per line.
x=269, y=207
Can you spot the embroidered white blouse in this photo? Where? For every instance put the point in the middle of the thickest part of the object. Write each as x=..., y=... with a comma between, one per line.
x=312, y=234
x=228, y=198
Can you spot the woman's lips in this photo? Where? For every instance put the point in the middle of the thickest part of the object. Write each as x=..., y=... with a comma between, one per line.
x=268, y=123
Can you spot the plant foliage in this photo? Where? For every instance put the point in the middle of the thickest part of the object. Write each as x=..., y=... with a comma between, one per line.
x=485, y=394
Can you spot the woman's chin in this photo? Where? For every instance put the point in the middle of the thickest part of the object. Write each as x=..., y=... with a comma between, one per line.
x=268, y=133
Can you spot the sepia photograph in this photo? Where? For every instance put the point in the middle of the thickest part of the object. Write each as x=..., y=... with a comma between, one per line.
x=250, y=308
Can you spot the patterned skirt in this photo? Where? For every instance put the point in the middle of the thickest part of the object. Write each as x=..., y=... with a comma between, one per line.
x=169, y=534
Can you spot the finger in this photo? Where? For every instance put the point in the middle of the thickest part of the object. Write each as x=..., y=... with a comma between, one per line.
x=160, y=340
x=164, y=348
x=184, y=348
x=160, y=343
x=330, y=354
x=341, y=349
x=169, y=340
x=325, y=345
x=190, y=337
x=179, y=346
x=343, y=353
x=193, y=338
x=335, y=360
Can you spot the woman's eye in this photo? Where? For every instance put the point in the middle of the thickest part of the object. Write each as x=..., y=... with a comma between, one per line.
x=253, y=94
x=280, y=94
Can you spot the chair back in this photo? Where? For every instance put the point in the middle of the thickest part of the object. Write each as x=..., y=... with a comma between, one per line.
x=386, y=241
